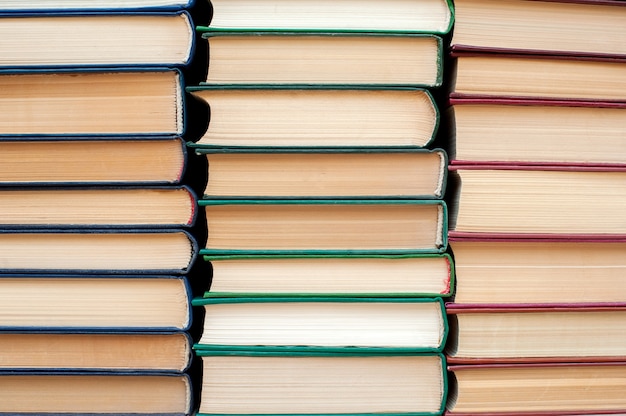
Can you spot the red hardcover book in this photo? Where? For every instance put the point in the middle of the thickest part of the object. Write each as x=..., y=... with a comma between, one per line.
x=505, y=130
x=525, y=333
x=537, y=389
x=517, y=201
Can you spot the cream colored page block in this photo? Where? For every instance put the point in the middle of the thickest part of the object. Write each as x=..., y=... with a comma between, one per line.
x=280, y=385
x=424, y=15
x=323, y=60
x=318, y=118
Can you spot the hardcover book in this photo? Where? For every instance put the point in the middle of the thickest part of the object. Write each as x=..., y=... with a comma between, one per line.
x=37, y=6
x=581, y=27
x=95, y=393
x=426, y=16
x=159, y=39
x=410, y=275
x=309, y=383
x=539, y=388
x=529, y=201
x=95, y=351
x=80, y=161
x=97, y=251
x=324, y=58
x=522, y=333
x=505, y=130
x=93, y=207
x=316, y=117
x=314, y=226
x=539, y=271
x=329, y=324
x=94, y=303
x=351, y=173
x=74, y=102
x=539, y=76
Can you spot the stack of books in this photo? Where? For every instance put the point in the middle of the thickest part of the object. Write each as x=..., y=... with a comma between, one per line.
x=325, y=220
x=93, y=213
x=537, y=223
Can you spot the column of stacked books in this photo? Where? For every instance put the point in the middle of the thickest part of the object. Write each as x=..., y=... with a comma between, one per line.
x=93, y=248
x=538, y=226
x=325, y=220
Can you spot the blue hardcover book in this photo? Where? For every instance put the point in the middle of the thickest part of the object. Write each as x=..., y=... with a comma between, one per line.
x=43, y=6
x=97, y=102
x=95, y=39
x=56, y=161
x=97, y=251
x=105, y=393
x=94, y=303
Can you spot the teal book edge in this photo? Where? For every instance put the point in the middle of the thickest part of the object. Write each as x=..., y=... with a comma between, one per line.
x=444, y=373
x=225, y=257
x=447, y=29
x=200, y=302
x=252, y=34
x=242, y=87
x=443, y=237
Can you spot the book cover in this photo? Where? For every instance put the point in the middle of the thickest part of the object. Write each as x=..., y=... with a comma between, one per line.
x=316, y=116
x=324, y=58
x=46, y=6
x=317, y=226
x=305, y=275
x=325, y=324
x=432, y=16
x=246, y=383
x=325, y=173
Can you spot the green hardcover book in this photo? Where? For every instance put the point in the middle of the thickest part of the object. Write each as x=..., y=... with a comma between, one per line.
x=314, y=226
x=316, y=116
x=410, y=275
x=328, y=324
x=324, y=58
x=325, y=173
x=424, y=16
x=236, y=383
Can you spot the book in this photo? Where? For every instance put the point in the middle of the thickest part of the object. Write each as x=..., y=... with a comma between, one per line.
x=36, y=6
x=314, y=226
x=535, y=132
x=521, y=333
x=591, y=28
x=539, y=76
x=410, y=275
x=539, y=271
x=159, y=39
x=57, y=161
x=539, y=388
x=95, y=351
x=106, y=251
x=530, y=201
x=431, y=16
x=130, y=101
x=324, y=58
x=94, y=303
x=89, y=393
x=351, y=173
x=309, y=383
x=328, y=324
x=282, y=116
x=45, y=207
